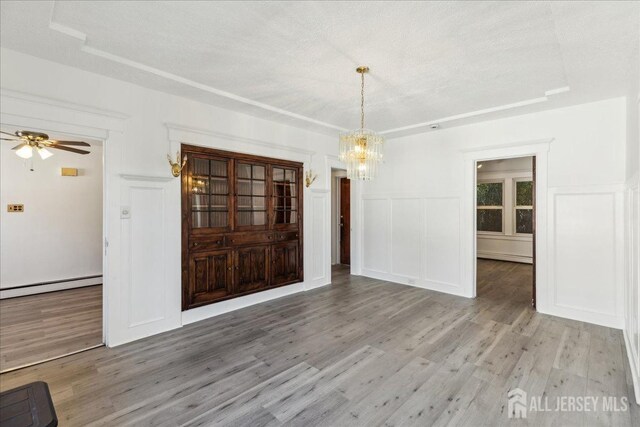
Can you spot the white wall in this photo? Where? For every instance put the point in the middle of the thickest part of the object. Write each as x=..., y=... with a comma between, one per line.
x=506, y=246
x=59, y=235
x=140, y=127
x=415, y=214
x=632, y=224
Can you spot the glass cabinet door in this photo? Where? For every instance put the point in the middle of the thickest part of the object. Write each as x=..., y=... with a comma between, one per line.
x=209, y=193
x=251, y=196
x=285, y=197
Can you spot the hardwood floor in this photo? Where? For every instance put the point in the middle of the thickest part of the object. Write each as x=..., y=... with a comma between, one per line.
x=39, y=327
x=359, y=352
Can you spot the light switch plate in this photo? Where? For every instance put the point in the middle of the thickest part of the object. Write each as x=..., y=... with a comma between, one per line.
x=15, y=208
x=125, y=212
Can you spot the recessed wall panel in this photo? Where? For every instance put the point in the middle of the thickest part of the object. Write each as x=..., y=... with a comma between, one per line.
x=147, y=290
x=375, y=234
x=406, y=221
x=442, y=240
x=584, y=240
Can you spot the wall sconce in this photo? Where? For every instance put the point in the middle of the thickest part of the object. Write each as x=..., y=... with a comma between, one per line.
x=309, y=177
x=176, y=167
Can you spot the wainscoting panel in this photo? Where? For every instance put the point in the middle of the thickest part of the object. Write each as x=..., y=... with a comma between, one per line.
x=147, y=307
x=406, y=221
x=320, y=220
x=414, y=240
x=584, y=255
x=632, y=280
x=442, y=245
x=375, y=234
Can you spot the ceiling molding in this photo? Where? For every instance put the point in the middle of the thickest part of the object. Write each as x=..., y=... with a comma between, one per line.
x=80, y=36
x=179, y=133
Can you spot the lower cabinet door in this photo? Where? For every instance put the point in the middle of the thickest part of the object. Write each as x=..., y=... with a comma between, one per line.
x=210, y=277
x=251, y=269
x=284, y=263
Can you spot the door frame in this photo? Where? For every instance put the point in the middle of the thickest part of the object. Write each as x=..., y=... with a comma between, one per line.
x=81, y=121
x=537, y=148
x=332, y=162
x=511, y=209
x=339, y=219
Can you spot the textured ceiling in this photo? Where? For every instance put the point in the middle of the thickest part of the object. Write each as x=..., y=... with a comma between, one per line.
x=294, y=61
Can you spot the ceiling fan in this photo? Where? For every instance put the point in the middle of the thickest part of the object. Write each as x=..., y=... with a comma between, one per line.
x=30, y=141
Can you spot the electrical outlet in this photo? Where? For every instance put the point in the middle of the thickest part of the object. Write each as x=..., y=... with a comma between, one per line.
x=15, y=208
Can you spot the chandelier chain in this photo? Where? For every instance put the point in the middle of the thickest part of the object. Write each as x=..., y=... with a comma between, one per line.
x=362, y=101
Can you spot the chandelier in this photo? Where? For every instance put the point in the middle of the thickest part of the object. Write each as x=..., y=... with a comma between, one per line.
x=361, y=149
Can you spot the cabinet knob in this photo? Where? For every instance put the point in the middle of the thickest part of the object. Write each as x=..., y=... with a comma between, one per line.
x=195, y=244
x=229, y=268
x=269, y=237
x=218, y=242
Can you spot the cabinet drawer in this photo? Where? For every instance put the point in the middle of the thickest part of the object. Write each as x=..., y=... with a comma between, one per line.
x=283, y=236
x=198, y=245
x=240, y=239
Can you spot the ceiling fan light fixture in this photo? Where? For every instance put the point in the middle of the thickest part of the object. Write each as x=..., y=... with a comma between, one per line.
x=44, y=153
x=25, y=152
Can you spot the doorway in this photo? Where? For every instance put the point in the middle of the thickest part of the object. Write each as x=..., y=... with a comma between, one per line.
x=51, y=287
x=340, y=224
x=505, y=230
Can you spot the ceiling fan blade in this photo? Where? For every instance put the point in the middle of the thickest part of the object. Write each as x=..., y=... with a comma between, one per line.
x=19, y=146
x=81, y=143
x=73, y=150
x=7, y=139
x=7, y=133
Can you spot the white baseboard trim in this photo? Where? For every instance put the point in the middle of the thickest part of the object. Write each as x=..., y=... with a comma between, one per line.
x=505, y=257
x=20, y=291
x=216, y=309
x=431, y=285
x=634, y=368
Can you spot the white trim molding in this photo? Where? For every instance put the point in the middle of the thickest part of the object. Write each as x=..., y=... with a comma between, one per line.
x=539, y=149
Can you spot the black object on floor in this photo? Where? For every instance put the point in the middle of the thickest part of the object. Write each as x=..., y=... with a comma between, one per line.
x=27, y=405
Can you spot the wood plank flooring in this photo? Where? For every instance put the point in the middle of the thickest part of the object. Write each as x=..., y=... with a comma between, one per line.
x=39, y=327
x=359, y=352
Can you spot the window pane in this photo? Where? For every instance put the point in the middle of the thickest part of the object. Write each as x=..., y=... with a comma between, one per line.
x=258, y=172
x=490, y=220
x=219, y=202
x=490, y=194
x=278, y=174
x=219, y=218
x=524, y=221
x=200, y=219
x=244, y=202
x=199, y=202
x=244, y=217
x=258, y=188
x=200, y=167
x=218, y=168
x=259, y=218
x=259, y=203
x=524, y=193
x=290, y=175
x=243, y=170
x=199, y=185
x=244, y=187
x=219, y=186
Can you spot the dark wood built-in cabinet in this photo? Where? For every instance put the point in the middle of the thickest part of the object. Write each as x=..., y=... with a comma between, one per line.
x=241, y=225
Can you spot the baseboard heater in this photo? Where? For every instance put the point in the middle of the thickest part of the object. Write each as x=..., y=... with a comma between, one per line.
x=44, y=287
